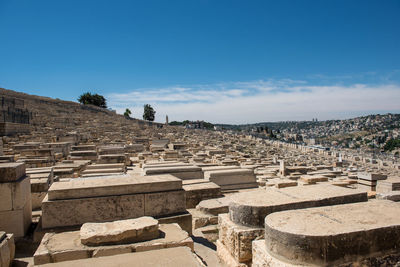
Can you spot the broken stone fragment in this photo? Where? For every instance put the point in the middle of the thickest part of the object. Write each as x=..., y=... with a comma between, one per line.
x=119, y=232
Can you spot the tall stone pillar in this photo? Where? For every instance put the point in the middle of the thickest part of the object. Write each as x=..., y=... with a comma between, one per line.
x=282, y=168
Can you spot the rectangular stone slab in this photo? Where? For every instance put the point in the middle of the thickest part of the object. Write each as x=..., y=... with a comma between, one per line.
x=237, y=238
x=119, y=232
x=105, y=166
x=66, y=246
x=386, y=186
x=164, y=165
x=371, y=176
x=194, y=193
x=181, y=172
x=70, y=212
x=311, y=179
x=228, y=177
x=171, y=169
x=219, y=168
x=111, y=186
x=171, y=257
x=11, y=172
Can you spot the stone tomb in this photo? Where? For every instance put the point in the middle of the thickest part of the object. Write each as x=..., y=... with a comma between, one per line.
x=359, y=234
x=368, y=181
x=197, y=190
x=182, y=172
x=103, y=199
x=232, y=178
x=104, y=169
x=15, y=199
x=170, y=257
x=68, y=246
x=247, y=211
x=389, y=185
x=41, y=179
x=389, y=189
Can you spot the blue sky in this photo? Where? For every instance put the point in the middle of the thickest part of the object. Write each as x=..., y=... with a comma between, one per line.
x=220, y=61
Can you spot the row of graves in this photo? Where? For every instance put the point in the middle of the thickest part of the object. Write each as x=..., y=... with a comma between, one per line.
x=256, y=212
x=84, y=192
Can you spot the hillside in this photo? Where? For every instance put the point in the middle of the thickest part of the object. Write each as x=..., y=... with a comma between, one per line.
x=51, y=119
x=370, y=132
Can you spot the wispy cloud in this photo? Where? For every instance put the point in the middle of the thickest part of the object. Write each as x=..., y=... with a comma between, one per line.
x=262, y=100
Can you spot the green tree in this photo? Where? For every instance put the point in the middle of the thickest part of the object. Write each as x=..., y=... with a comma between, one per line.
x=92, y=99
x=392, y=144
x=127, y=113
x=148, y=113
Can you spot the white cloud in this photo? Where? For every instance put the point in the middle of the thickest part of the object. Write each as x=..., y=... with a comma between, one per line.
x=257, y=101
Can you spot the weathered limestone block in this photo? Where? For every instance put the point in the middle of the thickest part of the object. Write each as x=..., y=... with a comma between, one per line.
x=371, y=176
x=334, y=235
x=262, y=258
x=104, y=169
x=219, y=168
x=15, y=204
x=367, y=185
x=232, y=179
x=40, y=180
x=181, y=172
x=201, y=219
x=7, y=249
x=6, y=194
x=163, y=164
x=84, y=154
x=83, y=148
x=37, y=199
x=166, y=155
x=109, y=150
x=281, y=183
x=67, y=246
x=183, y=219
x=164, y=203
x=389, y=185
x=393, y=196
x=112, y=158
x=250, y=208
x=312, y=179
x=78, y=201
x=237, y=238
x=195, y=193
x=70, y=212
x=170, y=257
x=225, y=256
x=214, y=206
x=119, y=232
x=124, y=185
x=11, y=172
